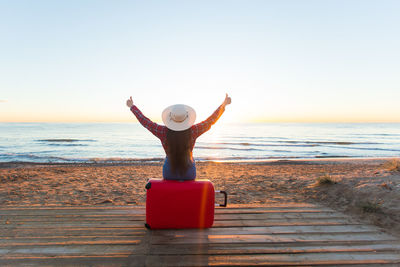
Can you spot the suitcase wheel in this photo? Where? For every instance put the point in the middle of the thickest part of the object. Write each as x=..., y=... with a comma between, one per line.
x=148, y=185
x=147, y=226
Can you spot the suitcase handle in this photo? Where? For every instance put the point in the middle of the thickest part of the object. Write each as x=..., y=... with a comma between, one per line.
x=225, y=198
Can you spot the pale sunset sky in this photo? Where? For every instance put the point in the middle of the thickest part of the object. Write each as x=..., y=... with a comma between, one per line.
x=289, y=61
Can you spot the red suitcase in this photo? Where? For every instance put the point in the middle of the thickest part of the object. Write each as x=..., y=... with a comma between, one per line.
x=180, y=204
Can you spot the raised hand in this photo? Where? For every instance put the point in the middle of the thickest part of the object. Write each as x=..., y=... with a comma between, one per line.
x=129, y=102
x=227, y=100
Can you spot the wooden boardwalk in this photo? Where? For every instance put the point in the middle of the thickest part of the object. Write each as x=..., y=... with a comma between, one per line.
x=285, y=234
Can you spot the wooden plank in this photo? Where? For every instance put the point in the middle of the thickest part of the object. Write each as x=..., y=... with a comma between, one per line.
x=270, y=230
x=215, y=260
x=20, y=231
x=70, y=221
x=76, y=240
x=240, y=208
x=70, y=212
x=76, y=224
x=54, y=216
x=308, y=259
x=72, y=249
x=141, y=210
x=59, y=221
x=98, y=260
x=58, y=218
x=139, y=226
x=221, y=224
x=274, y=260
x=212, y=249
x=276, y=215
x=129, y=212
x=223, y=217
x=271, y=238
x=218, y=217
x=81, y=207
x=217, y=224
x=268, y=248
x=32, y=232
x=279, y=222
x=71, y=224
x=142, y=207
x=107, y=216
x=75, y=233
x=37, y=227
x=259, y=211
x=270, y=206
x=115, y=232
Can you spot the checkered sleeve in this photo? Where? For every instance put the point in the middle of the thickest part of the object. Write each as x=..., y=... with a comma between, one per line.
x=154, y=128
x=204, y=126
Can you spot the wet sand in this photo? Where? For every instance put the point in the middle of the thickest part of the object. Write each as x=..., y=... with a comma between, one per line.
x=365, y=188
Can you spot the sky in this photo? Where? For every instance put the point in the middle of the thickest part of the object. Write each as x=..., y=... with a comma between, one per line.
x=280, y=61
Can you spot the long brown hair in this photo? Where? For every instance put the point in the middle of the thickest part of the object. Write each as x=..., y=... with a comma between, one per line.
x=179, y=151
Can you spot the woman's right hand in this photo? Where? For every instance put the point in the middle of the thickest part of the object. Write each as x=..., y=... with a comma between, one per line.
x=227, y=100
x=129, y=102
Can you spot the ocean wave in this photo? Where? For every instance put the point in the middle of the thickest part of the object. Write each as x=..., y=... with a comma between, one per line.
x=29, y=157
x=372, y=149
x=247, y=159
x=52, y=144
x=197, y=159
x=330, y=142
x=65, y=140
x=294, y=143
x=376, y=134
x=282, y=151
x=264, y=145
x=330, y=156
x=300, y=143
x=228, y=148
x=257, y=137
x=123, y=160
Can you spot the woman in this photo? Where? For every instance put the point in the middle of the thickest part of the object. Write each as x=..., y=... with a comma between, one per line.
x=178, y=136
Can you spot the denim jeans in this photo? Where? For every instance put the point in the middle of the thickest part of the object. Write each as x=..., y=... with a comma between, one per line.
x=169, y=175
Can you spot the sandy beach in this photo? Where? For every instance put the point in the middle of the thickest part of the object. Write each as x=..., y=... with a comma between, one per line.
x=366, y=188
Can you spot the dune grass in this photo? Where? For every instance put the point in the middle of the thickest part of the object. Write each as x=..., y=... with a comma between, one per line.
x=325, y=180
x=392, y=165
x=371, y=207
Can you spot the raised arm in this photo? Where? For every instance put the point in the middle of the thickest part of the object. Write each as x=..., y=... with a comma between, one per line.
x=204, y=126
x=154, y=128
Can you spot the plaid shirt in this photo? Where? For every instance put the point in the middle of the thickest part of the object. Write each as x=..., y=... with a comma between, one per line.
x=161, y=131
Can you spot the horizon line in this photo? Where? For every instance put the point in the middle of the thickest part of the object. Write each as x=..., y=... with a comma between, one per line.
x=230, y=122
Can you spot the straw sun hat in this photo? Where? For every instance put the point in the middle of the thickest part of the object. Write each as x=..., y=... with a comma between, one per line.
x=178, y=117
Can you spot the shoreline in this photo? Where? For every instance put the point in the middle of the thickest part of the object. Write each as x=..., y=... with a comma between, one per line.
x=364, y=188
x=158, y=161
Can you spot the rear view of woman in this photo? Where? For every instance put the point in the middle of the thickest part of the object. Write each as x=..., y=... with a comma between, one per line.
x=178, y=136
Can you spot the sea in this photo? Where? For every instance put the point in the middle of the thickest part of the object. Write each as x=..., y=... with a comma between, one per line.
x=126, y=142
